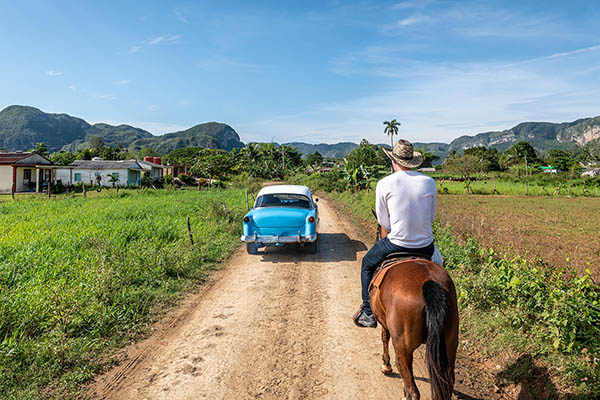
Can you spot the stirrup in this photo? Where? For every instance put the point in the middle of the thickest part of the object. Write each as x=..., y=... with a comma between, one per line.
x=355, y=318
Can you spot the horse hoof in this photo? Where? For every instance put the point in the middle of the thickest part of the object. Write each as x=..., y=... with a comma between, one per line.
x=386, y=370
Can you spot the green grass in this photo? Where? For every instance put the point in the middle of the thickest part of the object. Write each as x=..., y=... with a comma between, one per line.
x=571, y=188
x=81, y=276
x=511, y=308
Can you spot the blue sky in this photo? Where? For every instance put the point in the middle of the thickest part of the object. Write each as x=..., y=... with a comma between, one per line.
x=313, y=71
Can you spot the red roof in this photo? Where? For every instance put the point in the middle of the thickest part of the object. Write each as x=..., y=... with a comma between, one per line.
x=11, y=158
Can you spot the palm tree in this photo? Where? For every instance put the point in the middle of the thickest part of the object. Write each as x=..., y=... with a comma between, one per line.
x=391, y=128
x=114, y=179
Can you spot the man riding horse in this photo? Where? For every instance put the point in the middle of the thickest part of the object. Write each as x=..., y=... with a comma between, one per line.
x=405, y=203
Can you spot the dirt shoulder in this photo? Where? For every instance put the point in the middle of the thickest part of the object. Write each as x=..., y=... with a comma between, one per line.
x=270, y=326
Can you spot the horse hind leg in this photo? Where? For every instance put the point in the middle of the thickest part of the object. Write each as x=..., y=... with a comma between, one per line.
x=386, y=368
x=404, y=361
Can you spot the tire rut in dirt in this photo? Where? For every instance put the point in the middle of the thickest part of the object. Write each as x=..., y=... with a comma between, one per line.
x=283, y=353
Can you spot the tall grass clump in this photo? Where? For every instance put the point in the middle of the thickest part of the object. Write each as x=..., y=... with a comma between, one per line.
x=79, y=276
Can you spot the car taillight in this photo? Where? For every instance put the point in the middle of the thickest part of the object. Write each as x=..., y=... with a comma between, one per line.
x=246, y=219
x=311, y=219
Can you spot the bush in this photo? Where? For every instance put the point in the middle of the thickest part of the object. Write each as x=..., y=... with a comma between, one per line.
x=187, y=179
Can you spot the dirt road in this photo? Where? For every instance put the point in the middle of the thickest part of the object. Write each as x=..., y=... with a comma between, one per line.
x=271, y=326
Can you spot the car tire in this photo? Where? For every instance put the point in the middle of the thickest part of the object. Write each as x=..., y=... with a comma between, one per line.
x=252, y=248
x=312, y=247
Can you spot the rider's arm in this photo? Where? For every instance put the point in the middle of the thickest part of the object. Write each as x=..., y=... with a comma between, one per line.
x=383, y=217
x=384, y=233
x=434, y=202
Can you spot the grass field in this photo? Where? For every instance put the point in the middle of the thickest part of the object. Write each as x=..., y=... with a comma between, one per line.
x=81, y=276
x=573, y=188
x=533, y=326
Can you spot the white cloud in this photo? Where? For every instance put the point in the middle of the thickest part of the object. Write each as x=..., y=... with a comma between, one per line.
x=53, y=73
x=123, y=82
x=180, y=16
x=415, y=19
x=153, y=41
x=73, y=88
x=153, y=107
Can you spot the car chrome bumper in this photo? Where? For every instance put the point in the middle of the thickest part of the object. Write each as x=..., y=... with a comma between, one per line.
x=279, y=239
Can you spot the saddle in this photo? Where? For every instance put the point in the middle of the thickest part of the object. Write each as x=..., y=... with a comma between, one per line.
x=391, y=260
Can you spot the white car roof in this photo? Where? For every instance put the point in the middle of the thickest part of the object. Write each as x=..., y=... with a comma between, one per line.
x=292, y=189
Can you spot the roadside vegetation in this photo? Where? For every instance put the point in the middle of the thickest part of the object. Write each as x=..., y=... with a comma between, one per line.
x=81, y=276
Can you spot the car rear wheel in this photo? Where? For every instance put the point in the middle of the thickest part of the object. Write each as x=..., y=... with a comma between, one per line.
x=312, y=247
x=251, y=248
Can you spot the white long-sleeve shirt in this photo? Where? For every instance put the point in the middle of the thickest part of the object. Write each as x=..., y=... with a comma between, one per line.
x=405, y=203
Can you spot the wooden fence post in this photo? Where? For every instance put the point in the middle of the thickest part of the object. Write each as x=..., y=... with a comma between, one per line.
x=246, y=193
x=84, y=194
x=189, y=229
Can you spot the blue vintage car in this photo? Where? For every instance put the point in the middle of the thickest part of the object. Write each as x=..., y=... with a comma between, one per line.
x=282, y=214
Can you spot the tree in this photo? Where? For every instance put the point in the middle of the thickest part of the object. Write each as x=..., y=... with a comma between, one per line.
x=367, y=155
x=111, y=153
x=391, y=128
x=562, y=160
x=114, y=179
x=146, y=151
x=96, y=143
x=466, y=166
x=487, y=157
x=87, y=154
x=315, y=159
x=213, y=164
x=42, y=149
x=62, y=158
x=428, y=158
x=520, y=153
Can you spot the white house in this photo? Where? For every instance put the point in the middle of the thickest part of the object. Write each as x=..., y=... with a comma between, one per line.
x=97, y=171
x=25, y=172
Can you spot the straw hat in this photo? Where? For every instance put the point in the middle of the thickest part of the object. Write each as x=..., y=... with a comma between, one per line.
x=403, y=154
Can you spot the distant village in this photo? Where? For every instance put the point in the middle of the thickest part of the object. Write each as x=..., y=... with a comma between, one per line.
x=22, y=172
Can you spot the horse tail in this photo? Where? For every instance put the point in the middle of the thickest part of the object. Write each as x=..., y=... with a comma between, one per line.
x=436, y=309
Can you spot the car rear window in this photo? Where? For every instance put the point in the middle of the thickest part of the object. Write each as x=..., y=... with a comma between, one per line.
x=283, y=200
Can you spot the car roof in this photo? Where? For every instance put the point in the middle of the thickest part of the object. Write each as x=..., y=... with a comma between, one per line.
x=292, y=189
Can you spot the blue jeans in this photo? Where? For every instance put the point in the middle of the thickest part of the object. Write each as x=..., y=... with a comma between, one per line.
x=374, y=257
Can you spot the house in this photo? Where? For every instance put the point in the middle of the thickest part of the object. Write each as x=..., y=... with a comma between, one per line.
x=174, y=170
x=591, y=172
x=97, y=171
x=155, y=170
x=25, y=172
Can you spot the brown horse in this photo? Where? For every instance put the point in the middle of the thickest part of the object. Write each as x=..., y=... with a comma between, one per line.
x=415, y=304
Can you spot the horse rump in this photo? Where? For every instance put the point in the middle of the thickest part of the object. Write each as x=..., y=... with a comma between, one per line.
x=436, y=309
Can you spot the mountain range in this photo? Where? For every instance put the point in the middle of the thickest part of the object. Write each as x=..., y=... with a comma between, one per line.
x=23, y=127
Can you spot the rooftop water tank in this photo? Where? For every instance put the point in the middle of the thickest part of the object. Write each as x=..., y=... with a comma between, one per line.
x=149, y=159
x=157, y=160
